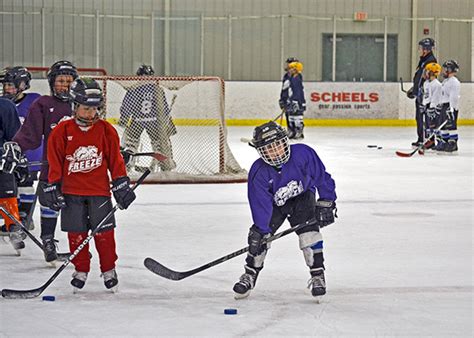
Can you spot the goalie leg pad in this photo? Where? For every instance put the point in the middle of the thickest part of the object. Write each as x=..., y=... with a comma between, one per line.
x=311, y=243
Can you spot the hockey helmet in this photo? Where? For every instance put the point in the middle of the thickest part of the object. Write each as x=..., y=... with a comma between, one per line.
x=433, y=68
x=61, y=68
x=451, y=66
x=292, y=59
x=272, y=144
x=298, y=66
x=427, y=44
x=87, y=92
x=20, y=77
x=145, y=70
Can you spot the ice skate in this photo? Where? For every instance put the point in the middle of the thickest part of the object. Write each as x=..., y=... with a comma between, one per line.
x=246, y=283
x=17, y=236
x=49, y=250
x=78, y=280
x=317, y=283
x=111, y=280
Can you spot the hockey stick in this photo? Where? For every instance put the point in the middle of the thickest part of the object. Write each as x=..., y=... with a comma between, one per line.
x=165, y=272
x=249, y=141
x=61, y=256
x=401, y=85
x=26, y=294
x=156, y=155
x=422, y=146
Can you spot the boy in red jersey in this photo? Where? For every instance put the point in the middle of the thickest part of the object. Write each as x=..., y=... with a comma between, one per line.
x=82, y=153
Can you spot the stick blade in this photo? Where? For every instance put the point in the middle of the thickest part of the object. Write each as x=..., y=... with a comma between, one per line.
x=161, y=270
x=403, y=154
x=22, y=294
x=159, y=157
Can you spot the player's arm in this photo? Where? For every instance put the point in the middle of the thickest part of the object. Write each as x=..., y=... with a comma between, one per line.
x=454, y=95
x=260, y=200
x=52, y=193
x=30, y=134
x=123, y=194
x=326, y=211
x=9, y=120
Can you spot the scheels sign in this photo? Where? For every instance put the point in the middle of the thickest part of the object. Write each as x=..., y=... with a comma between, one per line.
x=344, y=97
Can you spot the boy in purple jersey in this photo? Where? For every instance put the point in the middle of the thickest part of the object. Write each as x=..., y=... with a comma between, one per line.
x=45, y=114
x=282, y=184
x=15, y=81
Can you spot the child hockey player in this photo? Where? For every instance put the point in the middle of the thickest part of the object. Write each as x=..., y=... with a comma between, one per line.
x=450, y=108
x=44, y=114
x=282, y=185
x=431, y=100
x=82, y=152
x=292, y=98
x=16, y=81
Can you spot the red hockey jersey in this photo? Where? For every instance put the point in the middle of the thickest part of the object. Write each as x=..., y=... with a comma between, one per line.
x=81, y=160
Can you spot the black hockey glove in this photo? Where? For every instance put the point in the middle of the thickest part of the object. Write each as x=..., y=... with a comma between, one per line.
x=21, y=171
x=11, y=157
x=53, y=197
x=282, y=104
x=255, y=241
x=126, y=154
x=325, y=212
x=410, y=93
x=123, y=194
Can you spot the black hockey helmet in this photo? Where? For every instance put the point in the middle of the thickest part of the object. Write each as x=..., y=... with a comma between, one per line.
x=87, y=92
x=272, y=143
x=451, y=66
x=19, y=76
x=61, y=68
x=426, y=43
x=145, y=70
x=292, y=59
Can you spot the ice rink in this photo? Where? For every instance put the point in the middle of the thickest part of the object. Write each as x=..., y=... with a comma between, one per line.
x=399, y=259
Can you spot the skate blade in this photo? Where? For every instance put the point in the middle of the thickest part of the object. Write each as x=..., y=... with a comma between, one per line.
x=318, y=299
x=52, y=264
x=18, y=252
x=75, y=290
x=114, y=289
x=241, y=295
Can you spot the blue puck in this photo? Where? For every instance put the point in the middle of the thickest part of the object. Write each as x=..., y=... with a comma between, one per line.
x=230, y=311
x=49, y=298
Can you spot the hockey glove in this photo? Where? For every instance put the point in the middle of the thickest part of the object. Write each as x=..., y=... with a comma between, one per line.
x=256, y=241
x=123, y=194
x=282, y=104
x=11, y=156
x=325, y=213
x=53, y=197
x=21, y=172
x=126, y=154
x=410, y=94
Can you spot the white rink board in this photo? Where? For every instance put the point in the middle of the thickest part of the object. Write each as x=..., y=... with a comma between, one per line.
x=259, y=100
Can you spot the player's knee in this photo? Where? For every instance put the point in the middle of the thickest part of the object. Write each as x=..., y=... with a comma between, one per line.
x=311, y=243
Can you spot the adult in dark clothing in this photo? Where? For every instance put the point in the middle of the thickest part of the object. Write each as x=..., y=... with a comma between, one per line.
x=425, y=48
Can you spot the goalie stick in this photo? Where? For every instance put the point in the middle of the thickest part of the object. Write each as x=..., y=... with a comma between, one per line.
x=61, y=256
x=422, y=146
x=26, y=294
x=165, y=272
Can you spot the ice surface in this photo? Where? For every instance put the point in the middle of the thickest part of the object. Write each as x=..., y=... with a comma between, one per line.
x=399, y=260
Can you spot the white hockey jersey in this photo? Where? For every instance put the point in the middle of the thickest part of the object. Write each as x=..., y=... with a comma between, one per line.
x=451, y=90
x=432, y=93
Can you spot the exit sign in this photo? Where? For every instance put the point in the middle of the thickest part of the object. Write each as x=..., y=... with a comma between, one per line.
x=361, y=16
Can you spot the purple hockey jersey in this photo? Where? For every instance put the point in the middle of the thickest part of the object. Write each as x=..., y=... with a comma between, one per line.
x=268, y=187
x=23, y=108
x=44, y=114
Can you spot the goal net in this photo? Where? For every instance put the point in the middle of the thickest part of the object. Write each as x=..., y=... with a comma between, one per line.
x=179, y=117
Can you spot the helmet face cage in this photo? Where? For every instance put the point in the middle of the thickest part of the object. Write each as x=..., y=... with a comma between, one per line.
x=61, y=68
x=276, y=153
x=451, y=66
x=19, y=77
x=86, y=92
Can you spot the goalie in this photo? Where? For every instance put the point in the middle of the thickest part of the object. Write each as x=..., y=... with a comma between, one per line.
x=144, y=108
